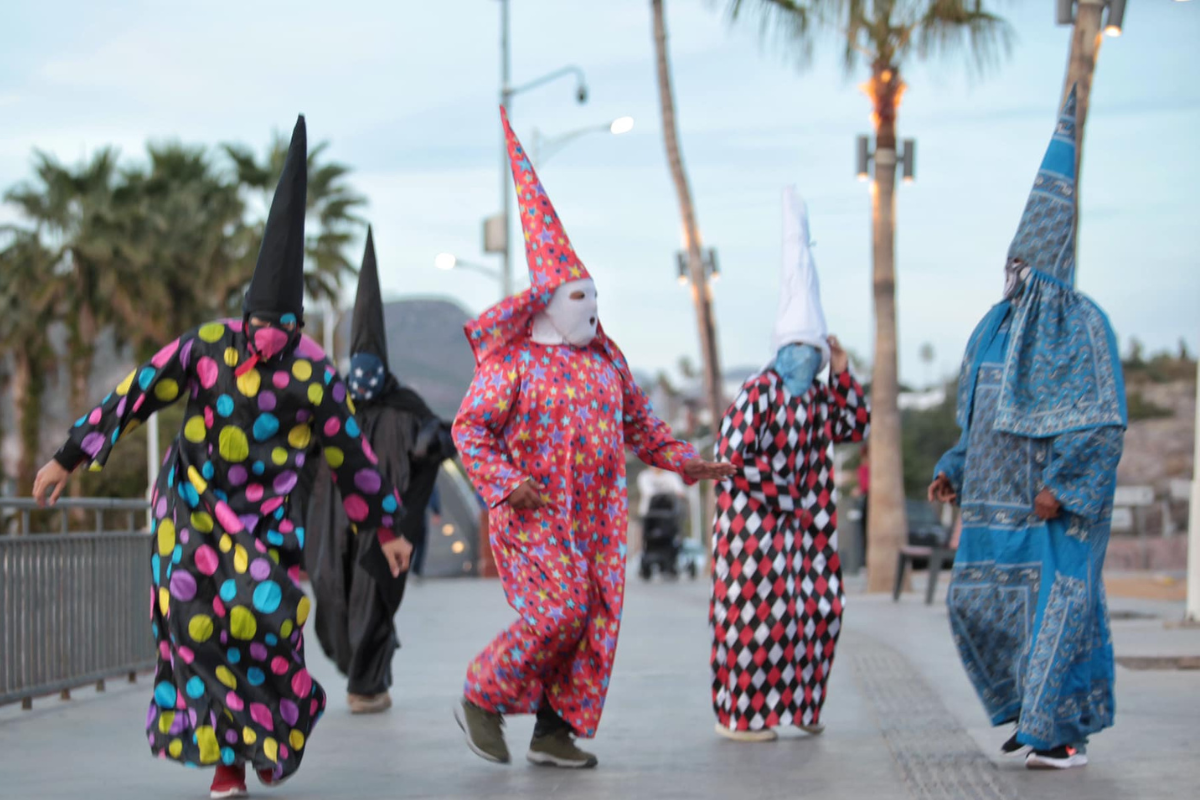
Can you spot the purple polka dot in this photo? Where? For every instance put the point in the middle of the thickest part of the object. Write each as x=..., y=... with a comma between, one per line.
x=231, y=736
x=184, y=536
x=258, y=651
x=121, y=406
x=93, y=443
x=339, y=392
x=367, y=481
x=177, y=725
x=151, y=714
x=285, y=482
x=248, y=521
x=266, y=401
x=183, y=585
x=238, y=475
x=289, y=711
x=185, y=355
x=160, y=508
x=302, y=415
x=300, y=459
x=260, y=569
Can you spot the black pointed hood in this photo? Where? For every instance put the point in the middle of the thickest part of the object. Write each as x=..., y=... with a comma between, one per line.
x=277, y=287
x=367, y=331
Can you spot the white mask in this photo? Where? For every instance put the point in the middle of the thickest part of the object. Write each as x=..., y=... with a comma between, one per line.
x=571, y=318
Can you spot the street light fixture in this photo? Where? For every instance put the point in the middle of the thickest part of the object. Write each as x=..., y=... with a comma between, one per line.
x=712, y=269
x=543, y=148
x=907, y=159
x=448, y=261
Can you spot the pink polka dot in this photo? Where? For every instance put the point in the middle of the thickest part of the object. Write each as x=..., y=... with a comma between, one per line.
x=368, y=481
x=238, y=475
x=280, y=379
x=262, y=715
x=234, y=325
x=234, y=702
x=227, y=519
x=207, y=370
x=260, y=545
x=164, y=651
x=163, y=356
x=272, y=504
x=286, y=526
x=254, y=492
x=294, y=574
x=186, y=654
x=206, y=559
x=279, y=665
x=332, y=426
x=95, y=416
x=137, y=404
x=218, y=608
x=208, y=416
x=369, y=452
x=289, y=711
x=302, y=683
x=283, y=751
x=356, y=508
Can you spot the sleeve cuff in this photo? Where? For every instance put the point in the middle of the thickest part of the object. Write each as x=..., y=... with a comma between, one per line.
x=385, y=535
x=70, y=456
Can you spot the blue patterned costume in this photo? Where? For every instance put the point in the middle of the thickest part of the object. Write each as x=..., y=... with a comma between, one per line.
x=1041, y=404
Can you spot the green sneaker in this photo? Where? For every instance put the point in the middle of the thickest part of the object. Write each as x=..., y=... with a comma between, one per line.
x=557, y=749
x=484, y=731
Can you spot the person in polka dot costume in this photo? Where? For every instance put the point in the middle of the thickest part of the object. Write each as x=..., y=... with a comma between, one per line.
x=227, y=610
x=542, y=434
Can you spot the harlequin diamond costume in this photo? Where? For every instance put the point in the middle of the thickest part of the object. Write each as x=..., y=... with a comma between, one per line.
x=1041, y=404
x=355, y=611
x=227, y=610
x=777, y=579
x=553, y=406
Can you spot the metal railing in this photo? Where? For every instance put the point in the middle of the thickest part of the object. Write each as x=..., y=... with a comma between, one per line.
x=74, y=607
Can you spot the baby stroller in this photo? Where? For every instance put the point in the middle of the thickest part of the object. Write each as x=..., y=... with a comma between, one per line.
x=661, y=536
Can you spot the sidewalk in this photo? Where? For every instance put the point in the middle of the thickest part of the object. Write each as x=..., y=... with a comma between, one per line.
x=903, y=721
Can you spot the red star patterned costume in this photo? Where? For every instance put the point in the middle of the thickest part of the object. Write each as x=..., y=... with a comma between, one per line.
x=561, y=417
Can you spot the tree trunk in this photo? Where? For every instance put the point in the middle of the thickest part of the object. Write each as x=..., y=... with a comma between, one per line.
x=1081, y=66
x=26, y=400
x=83, y=351
x=701, y=293
x=887, y=519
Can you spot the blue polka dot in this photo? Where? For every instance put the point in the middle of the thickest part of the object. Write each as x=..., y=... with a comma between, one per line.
x=154, y=629
x=279, y=513
x=389, y=504
x=271, y=640
x=208, y=470
x=351, y=427
x=255, y=676
x=146, y=377
x=171, y=477
x=228, y=756
x=288, y=319
x=229, y=590
x=328, y=377
x=168, y=575
x=300, y=537
x=259, y=468
x=116, y=434
x=190, y=495
x=275, y=538
x=220, y=495
x=156, y=566
x=266, y=426
x=195, y=688
x=164, y=695
x=233, y=656
x=224, y=405
x=267, y=596
x=177, y=556
x=79, y=422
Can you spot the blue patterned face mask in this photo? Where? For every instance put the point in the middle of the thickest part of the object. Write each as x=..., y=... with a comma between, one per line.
x=367, y=375
x=798, y=364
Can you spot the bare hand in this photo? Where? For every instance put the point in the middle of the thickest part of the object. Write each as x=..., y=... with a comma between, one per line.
x=838, y=360
x=941, y=491
x=1046, y=505
x=698, y=470
x=525, y=498
x=50, y=478
x=398, y=553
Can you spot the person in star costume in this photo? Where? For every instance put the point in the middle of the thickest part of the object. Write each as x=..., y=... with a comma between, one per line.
x=1041, y=404
x=542, y=434
x=227, y=610
x=777, y=580
x=355, y=611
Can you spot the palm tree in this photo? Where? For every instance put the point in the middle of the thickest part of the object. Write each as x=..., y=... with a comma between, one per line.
x=331, y=201
x=885, y=34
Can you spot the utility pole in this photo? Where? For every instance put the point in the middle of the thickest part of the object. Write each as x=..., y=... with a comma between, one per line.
x=505, y=191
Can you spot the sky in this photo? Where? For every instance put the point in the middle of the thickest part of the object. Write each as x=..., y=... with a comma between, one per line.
x=407, y=93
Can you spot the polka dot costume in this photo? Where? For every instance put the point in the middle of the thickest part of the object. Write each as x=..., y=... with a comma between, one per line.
x=226, y=606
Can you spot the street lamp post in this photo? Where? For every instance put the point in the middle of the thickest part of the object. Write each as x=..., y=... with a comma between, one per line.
x=543, y=147
x=448, y=261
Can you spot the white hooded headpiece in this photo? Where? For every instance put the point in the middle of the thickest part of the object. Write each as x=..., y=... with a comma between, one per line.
x=800, y=319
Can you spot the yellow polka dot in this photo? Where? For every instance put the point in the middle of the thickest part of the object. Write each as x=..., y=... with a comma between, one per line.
x=233, y=445
x=95, y=466
x=334, y=457
x=231, y=357
x=249, y=382
x=302, y=370
x=350, y=404
x=226, y=677
x=164, y=599
x=316, y=393
x=226, y=543
x=175, y=748
x=271, y=749
x=241, y=560
x=212, y=332
x=123, y=386
x=132, y=426
x=242, y=624
x=274, y=554
x=285, y=630
x=249, y=736
x=202, y=521
x=200, y=627
x=166, y=537
x=197, y=480
x=194, y=430
x=302, y=610
x=165, y=720
x=300, y=436
x=296, y=738
x=206, y=738
x=279, y=456
x=166, y=390
x=228, y=714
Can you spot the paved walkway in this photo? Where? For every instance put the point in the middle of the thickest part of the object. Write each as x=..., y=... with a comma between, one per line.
x=903, y=721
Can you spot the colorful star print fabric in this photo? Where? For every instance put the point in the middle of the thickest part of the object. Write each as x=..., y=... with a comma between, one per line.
x=560, y=417
x=226, y=605
x=777, y=579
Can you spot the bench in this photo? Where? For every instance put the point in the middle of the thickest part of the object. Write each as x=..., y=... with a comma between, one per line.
x=936, y=557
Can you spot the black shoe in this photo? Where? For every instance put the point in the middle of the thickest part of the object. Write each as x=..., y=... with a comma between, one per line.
x=1012, y=746
x=1062, y=757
